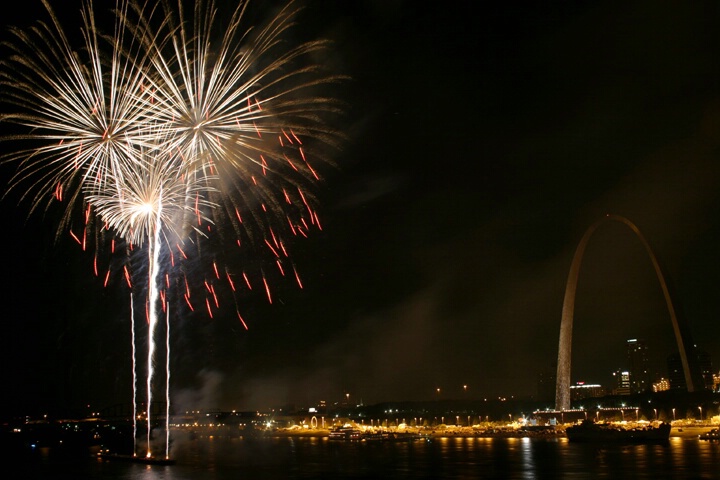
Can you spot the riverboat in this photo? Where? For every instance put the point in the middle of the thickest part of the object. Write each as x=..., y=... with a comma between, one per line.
x=589, y=431
x=345, y=433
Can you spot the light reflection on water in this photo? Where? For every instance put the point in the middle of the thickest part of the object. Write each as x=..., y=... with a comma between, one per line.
x=446, y=458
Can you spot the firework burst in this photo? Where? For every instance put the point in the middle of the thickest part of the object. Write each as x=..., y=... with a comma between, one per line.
x=170, y=130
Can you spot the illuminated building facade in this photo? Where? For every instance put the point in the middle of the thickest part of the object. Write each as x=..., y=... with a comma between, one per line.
x=582, y=390
x=622, y=382
x=661, y=385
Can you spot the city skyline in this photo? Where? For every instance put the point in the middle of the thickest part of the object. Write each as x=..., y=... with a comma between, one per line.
x=483, y=141
x=669, y=371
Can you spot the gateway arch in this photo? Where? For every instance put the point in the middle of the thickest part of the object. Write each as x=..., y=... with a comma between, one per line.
x=682, y=335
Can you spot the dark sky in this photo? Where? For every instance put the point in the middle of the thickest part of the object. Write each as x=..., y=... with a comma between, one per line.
x=483, y=140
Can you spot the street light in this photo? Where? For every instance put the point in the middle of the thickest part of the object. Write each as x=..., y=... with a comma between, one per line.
x=700, y=413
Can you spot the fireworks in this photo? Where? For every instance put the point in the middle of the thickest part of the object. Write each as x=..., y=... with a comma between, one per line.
x=170, y=130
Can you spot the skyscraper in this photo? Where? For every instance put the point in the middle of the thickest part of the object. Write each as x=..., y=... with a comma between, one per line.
x=704, y=364
x=638, y=365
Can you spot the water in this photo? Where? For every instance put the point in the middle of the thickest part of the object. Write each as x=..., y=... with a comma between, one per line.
x=441, y=458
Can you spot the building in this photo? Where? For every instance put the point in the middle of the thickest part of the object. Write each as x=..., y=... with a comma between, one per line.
x=582, y=390
x=637, y=355
x=701, y=359
x=706, y=368
x=622, y=383
x=661, y=385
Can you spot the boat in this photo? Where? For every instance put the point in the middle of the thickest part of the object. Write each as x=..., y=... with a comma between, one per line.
x=374, y=437
x=136, y=459
x=713, y=434
x=589, y=431
x=393, y=437
x=406, y=437
x=345, y=433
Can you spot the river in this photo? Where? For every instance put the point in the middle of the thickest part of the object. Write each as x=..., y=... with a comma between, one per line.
x=217, y=458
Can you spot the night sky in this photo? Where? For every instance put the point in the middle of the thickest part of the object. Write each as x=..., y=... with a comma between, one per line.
x=482, y=141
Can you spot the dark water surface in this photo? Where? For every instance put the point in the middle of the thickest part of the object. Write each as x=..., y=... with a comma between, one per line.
x=446, y=458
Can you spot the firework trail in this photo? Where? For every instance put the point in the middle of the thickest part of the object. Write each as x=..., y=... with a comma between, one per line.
x=167, y=383
x=134, y=371
x=171, y=130
x=154, y=254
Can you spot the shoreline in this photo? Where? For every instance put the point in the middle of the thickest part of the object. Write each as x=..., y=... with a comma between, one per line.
x=559, y=432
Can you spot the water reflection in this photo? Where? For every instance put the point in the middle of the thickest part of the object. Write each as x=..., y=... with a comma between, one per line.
x=528, y=457
x=448, y=458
